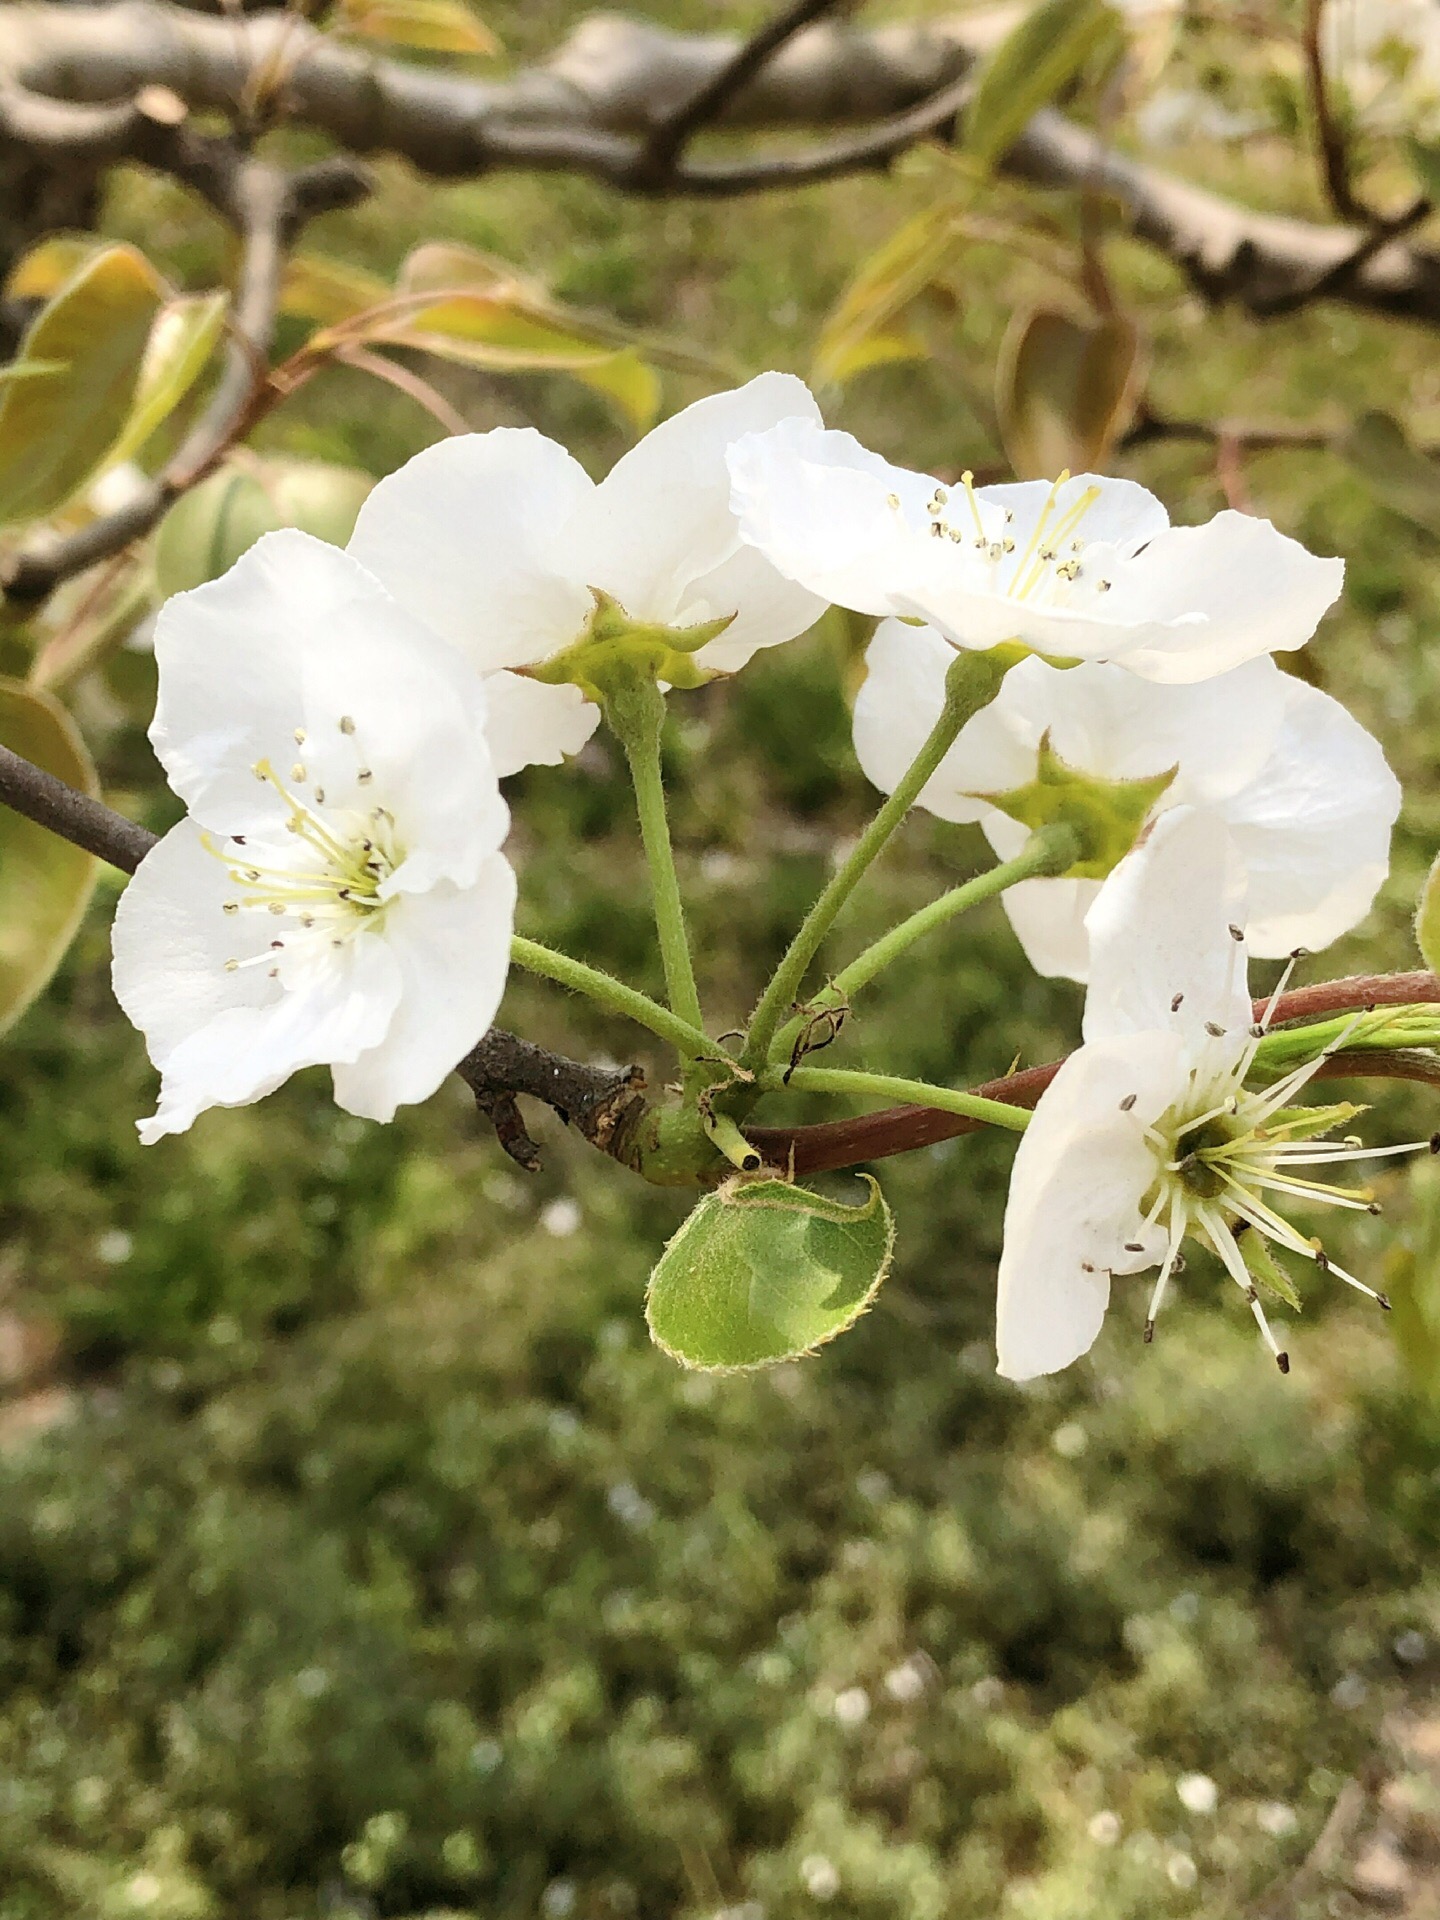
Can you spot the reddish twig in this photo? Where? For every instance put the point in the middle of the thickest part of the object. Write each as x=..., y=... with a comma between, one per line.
x=833, y=1144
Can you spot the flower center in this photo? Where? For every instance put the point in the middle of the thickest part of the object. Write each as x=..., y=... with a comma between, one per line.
x=1052, y=560
x=324, y=883
x=1228, y=1158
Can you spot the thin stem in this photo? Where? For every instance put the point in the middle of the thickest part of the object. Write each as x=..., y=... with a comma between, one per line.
x=886, y=1086
x=687, y=1040
x=635, y=710
x=1050, y=850
x=972, y=682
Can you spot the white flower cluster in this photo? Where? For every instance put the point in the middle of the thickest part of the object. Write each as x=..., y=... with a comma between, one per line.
x=337, y=723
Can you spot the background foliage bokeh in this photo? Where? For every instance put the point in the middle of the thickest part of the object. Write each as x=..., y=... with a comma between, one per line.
x=376, y=1565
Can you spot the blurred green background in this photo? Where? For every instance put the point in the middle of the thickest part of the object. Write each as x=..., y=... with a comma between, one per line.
x=359, y=1557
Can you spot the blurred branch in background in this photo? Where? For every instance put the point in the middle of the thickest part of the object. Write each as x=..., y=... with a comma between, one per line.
x=602, y=102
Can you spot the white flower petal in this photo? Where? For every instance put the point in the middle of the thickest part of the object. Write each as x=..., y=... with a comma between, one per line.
x=1049, y=921
x=170, y=940
x=1200, y=600
x=1160, y=935
x=452, y=949
x=1048, y=916
x=229, y=655
x=1081, y=1174
x=223, y=1039
x=532, y=724
x=768, y=609
x=658, y=530
x=898, y=704
x=247, y=1052
x=818, y=506
x=1196, y=601
x=469, y=536
x=1313, y=827
x=298, y=636
x=1107, y=722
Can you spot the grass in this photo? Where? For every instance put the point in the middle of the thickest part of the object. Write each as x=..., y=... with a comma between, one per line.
x=379, y=1567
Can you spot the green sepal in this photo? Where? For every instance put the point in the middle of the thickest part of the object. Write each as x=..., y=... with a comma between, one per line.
x=1105, y=816
x=763, y=1271
x=1309, y=1123
x=615, y=646
x=1267, y=1271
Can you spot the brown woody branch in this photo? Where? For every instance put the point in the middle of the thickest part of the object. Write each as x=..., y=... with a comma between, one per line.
x=659, y=157
x=73, y=815
x=602, y=1103
x=593, y=107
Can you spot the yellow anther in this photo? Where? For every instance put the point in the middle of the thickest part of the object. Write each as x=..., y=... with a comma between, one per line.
x=347, y=725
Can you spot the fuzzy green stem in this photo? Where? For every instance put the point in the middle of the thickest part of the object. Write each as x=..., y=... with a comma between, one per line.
x=1049, y=850
x=635, y=710
x=972, y=681
x=885, y=1086
x=689, y=1041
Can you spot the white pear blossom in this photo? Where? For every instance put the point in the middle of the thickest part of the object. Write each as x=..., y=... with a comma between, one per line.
x=1148, y=1137
x=1303, y=788
x=336, y=893
x=1086, y=568
x=498, y=541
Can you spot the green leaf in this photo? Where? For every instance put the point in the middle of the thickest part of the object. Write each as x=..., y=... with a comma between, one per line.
x=185, y=334
x=1399, y=475
x=1267, y=1270
x=1427, y=919
x=763, y=1271
x=1035, y=62
x=208, y=528
x=327, y=291
x=45, y=882
x=40, y=273
x=1064, y=392
x=487, y=314
x=437, y=26
x=1105, y=815
x=56, y=429
x=857, y=332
